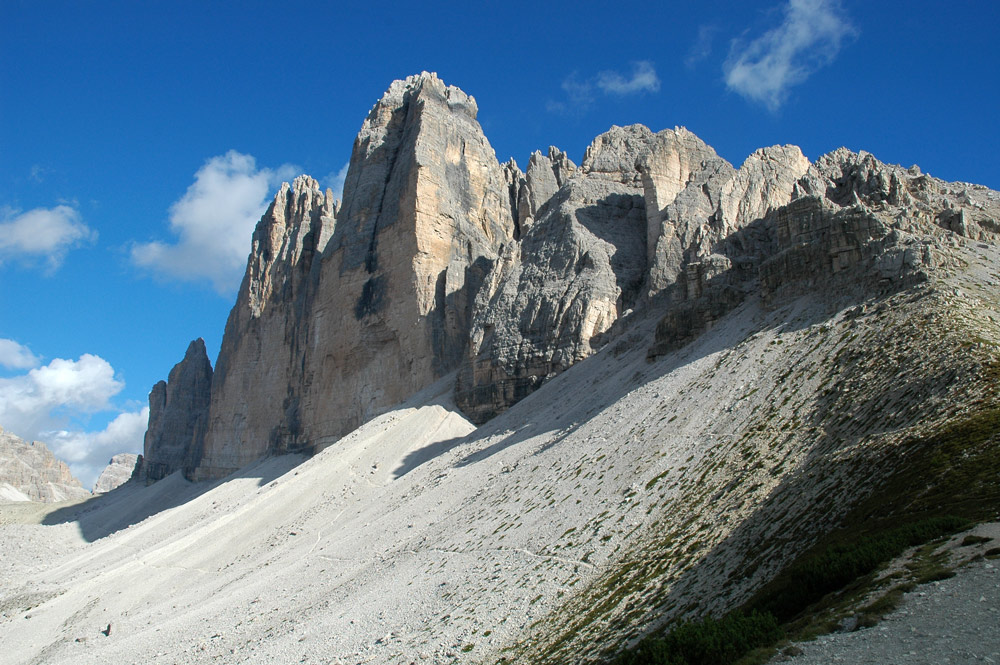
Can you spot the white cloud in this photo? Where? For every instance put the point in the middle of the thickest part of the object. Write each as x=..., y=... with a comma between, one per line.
x=42, y=233
x=335, y=181
x=16, y=356
x=644, y=79
x=87, y=453
x=809, y=38
x=580, y=93
x=45, y=396
x=42, y=404
x=214, y=222
x=702, y=47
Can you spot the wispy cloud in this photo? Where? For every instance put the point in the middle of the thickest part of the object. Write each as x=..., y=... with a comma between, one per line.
x=16, y=356
x=214, y=222
x=44, y=403
x=702, y=47
x=643, y=79
x=45, y=234
x=809, y=37
x=335, y=181
x=581, y=92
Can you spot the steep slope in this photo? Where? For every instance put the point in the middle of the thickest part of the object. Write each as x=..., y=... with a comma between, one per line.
x=620, y=494
x=30, y=472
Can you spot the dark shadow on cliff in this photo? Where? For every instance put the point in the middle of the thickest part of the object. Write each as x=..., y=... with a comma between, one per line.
x=771, y=284
x=134, y=502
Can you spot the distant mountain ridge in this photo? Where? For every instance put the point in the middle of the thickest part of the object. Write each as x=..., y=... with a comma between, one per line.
x=30, y=472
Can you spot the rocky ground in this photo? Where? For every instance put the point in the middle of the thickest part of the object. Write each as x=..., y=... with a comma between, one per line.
x=951, y=621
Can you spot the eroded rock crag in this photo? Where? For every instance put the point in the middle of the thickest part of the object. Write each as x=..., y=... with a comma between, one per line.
x=178, y=411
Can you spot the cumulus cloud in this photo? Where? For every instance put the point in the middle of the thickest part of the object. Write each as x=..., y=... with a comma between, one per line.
x=335, y=181
x=16, y=356
x=36, y=401
x=42, y=234
x=580, y=93
x=809, y=37
x=87, y=453
x=44, y=403
x=214, y=222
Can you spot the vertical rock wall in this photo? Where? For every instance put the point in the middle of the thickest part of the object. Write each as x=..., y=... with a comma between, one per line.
x=178, y=414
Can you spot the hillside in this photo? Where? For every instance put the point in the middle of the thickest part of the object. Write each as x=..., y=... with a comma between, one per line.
x=659, y=380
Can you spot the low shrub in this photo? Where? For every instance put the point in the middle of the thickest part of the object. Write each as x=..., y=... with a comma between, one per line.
x=706, y=642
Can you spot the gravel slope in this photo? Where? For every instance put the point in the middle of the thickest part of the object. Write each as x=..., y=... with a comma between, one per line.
x=953, y=621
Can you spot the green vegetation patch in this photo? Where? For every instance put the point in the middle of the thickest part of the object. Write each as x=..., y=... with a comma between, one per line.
x=944, y=482
x=815, y=575
x=706, y=642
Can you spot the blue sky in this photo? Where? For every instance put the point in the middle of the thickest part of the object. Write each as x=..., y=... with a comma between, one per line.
x=139, y=141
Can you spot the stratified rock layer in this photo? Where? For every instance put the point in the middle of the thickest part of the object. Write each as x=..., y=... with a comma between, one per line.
x=118, y=472
x=30, y=472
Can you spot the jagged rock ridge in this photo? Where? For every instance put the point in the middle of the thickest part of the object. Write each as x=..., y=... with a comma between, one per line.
x=442, y=259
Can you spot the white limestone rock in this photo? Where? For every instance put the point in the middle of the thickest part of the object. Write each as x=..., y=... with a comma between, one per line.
x=386, y=309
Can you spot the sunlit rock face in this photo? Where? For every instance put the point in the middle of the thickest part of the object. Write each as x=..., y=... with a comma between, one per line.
x=376, y=304
x=440, y=259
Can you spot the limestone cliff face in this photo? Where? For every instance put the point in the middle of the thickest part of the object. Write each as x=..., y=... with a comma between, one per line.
x=255, y=389
x=118, y=472
x=695, y=198
x=579, y=265
x=178, y=414
x=442, y=259
x=30, y=472
x=377, y=305
x=426, y=207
